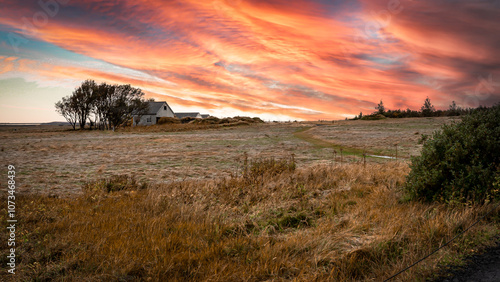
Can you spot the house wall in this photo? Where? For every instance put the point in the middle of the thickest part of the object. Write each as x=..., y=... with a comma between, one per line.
x=147, y=120
x=165, y=112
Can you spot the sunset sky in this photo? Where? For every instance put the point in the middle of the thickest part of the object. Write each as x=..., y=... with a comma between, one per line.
x=279, y=60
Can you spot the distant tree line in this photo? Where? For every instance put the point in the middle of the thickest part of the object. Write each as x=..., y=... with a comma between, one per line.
x=427, y=110
x=102, y=106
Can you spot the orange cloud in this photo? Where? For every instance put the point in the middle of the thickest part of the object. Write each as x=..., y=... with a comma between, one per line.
x=301, y=59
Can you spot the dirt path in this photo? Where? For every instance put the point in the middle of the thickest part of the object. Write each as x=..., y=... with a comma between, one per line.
x=308, y=134
x=484, y=267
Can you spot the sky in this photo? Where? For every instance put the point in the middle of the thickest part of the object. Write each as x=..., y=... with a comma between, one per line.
x=279, y=60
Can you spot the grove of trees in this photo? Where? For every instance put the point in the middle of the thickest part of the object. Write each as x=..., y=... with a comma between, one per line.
x=102, y=106
x=427, y=110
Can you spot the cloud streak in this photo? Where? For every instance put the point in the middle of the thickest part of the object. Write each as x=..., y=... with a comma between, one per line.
x=297, y=60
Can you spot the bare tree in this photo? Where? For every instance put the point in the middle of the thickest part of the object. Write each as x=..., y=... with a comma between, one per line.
x=102, y=104
x=67, y=109
x=127, y=101
x=141, y=110
x=84, y=97
x=108, y=105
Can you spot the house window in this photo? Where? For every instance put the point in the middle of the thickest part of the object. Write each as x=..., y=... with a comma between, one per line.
x=165, y=108
x=148, y=119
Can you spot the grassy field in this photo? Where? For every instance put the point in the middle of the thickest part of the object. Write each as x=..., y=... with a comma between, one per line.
x=51, y=160
x=381, y=137
x=249, y=203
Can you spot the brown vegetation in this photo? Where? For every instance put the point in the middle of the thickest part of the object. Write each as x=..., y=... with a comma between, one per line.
x=168, y=120
x=381, y=137
x=272, y=221
x=168, y=124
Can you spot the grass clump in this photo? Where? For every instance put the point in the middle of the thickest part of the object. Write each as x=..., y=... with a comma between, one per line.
x=169, y=120
x=461, y=162
x=268, y=167
x=113, y=184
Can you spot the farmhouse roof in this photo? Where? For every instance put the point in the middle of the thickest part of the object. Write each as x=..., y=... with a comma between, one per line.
x=205, y=115
x=154, y=107
x=183, y=115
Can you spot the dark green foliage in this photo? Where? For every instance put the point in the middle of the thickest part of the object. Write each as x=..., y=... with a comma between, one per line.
x=427, y=109
x=373, y=117
x=380, y=108
x=461, y=162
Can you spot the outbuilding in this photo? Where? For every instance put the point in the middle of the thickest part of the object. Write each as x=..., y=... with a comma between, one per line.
x=192, y=115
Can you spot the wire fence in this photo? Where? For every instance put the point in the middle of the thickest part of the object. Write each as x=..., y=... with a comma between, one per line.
x=442, y=246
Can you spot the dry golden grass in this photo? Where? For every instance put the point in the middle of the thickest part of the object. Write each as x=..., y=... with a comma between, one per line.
x=55, y=161
x=274, y=222
x=59, y=162
x=175, y=125
x=380, y=136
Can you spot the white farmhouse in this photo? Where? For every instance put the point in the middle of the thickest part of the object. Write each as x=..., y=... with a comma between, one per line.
x=156, y=111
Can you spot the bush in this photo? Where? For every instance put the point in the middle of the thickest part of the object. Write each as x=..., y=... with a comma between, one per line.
x=209, y=120
x=259, y=120
x=460, y=163
x=227, y=120
x=188, y=119
x=374, y=117
x=168, y=120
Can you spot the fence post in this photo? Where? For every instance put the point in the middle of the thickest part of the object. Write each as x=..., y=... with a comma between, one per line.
x=396, y=144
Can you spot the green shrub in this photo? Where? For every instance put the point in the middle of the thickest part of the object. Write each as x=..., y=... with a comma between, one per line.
x=461, y=162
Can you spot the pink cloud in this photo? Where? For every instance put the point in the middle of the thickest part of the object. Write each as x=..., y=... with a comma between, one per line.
x=273, y=57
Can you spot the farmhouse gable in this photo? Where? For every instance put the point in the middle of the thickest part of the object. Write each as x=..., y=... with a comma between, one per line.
x=156, y=110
